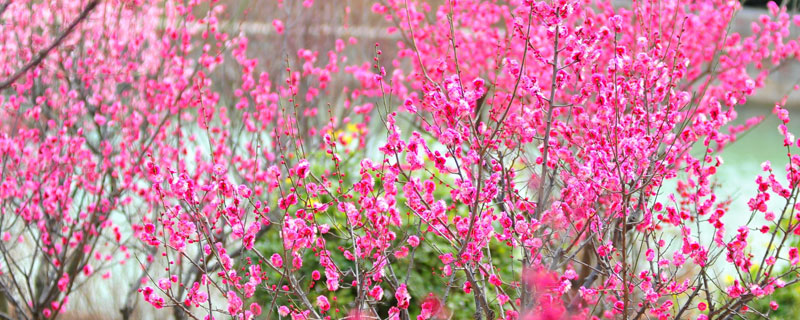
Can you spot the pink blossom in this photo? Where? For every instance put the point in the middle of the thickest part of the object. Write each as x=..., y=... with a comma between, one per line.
x=63, y=282
x=302, y=168
x=277, y=260
x=164, y=284
x=234, y=303
x=495, y=280
x=255, y=309
x=402, y=297
x=542, y=134
x=413, y=241
x=323, y=304
x=376, y=293
x=278, y=26
x=88, y=270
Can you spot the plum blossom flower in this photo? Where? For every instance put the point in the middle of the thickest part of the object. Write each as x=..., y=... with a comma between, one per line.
x=323, y=304
x=302, y=168
x=402, y=296
x=278, y=25
x=277, y=260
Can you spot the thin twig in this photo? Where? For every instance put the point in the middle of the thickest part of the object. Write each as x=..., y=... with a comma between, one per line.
x=42, y=54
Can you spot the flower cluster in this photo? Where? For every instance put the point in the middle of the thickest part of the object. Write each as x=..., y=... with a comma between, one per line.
x=542, y=159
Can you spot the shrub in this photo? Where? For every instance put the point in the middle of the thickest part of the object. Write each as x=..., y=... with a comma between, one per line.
x=503, y=159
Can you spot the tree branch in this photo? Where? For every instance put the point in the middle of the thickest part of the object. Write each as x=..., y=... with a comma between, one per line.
x=43, y=53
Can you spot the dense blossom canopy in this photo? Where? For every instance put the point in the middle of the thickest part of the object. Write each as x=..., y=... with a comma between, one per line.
x=549, y=159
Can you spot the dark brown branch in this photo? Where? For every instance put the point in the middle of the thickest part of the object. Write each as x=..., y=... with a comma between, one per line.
x=43, y=53
x=4, y=7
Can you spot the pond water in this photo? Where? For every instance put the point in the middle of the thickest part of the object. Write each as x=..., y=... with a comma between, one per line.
x=742, y=164
x=743, y=158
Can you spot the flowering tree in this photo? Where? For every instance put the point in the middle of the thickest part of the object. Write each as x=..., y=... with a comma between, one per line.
x=544, y=159
x=63, y=176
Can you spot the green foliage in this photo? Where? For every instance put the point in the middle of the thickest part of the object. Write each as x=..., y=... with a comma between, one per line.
x=788, y=298
x=424, y=277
